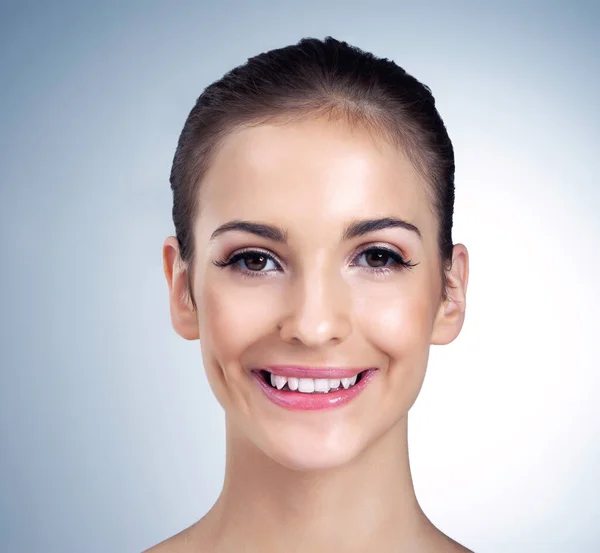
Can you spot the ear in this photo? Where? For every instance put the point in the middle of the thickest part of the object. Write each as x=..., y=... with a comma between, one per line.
x=183, y=315
x=451, y=312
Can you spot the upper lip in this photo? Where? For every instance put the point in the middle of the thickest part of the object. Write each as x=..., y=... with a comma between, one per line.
x=313, y=372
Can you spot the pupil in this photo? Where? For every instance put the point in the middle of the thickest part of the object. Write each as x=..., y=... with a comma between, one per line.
x=256, y=257
x=378, y=255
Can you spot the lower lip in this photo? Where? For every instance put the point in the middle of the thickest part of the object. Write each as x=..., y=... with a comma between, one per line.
x=298, y=401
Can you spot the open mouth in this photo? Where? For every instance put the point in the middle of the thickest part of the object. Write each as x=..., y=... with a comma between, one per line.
x=310, y=385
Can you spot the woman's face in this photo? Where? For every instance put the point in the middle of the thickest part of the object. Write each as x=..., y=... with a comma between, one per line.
x=318, y=299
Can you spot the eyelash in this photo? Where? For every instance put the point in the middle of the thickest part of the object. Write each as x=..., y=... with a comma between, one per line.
x=400, y=263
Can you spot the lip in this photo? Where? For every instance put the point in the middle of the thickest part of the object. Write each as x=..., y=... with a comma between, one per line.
x=297, y=371
x=299, y=401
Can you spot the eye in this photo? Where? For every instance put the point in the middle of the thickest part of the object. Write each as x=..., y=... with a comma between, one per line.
x=381, y=257
x=254, y=261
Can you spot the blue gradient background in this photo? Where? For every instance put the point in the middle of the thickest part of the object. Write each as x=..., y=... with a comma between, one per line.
x=110, y=437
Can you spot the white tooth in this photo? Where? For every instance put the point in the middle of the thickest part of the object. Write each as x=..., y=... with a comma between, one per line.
x=293, y=383
x=346, y=382
x=334, y=382
x=273, y=380
x=306, y=385
x=280, y=381
x=321, y=385
x=353, y=380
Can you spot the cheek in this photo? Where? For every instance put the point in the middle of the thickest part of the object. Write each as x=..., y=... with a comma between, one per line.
x=399, y=323
x=400, y=328
x=233, y=318
x=226, y=319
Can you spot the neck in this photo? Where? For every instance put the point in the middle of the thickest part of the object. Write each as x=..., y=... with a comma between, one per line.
x=366, y=505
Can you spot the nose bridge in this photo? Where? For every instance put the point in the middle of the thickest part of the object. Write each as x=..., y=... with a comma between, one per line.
x=319, y=307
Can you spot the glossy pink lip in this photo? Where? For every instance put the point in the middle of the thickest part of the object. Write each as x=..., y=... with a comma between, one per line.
x=298, y=401
x=312, y=372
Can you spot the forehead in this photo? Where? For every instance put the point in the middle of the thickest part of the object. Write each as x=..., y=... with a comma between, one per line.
x=312, y=172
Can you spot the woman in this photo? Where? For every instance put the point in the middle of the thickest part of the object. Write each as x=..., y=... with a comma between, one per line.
x=313, y=198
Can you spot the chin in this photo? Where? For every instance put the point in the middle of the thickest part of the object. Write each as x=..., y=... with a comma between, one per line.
x=303, y=451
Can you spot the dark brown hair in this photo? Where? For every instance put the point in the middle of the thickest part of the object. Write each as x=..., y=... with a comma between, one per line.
x=316, y=78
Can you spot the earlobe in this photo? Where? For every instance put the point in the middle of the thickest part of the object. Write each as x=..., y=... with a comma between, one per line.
x=183, y=315
x=451, y=312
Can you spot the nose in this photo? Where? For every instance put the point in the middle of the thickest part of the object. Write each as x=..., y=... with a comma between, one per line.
x=318, y=312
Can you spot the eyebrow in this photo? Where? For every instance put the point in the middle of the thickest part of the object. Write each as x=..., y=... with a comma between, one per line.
x=278, y=234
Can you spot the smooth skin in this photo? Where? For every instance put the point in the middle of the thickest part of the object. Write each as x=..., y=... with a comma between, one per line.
x=336, y=479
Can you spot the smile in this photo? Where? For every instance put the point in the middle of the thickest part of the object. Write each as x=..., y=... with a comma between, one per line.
x=310, y=385
x=307, y=394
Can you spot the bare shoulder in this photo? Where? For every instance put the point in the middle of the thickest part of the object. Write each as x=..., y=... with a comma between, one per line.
x=436, y=541
x=456, y=547
x=194, y=539
x=446, y=544
x=184, y=542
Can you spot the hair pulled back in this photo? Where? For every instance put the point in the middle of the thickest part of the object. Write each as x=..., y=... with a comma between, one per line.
x=316, y=78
